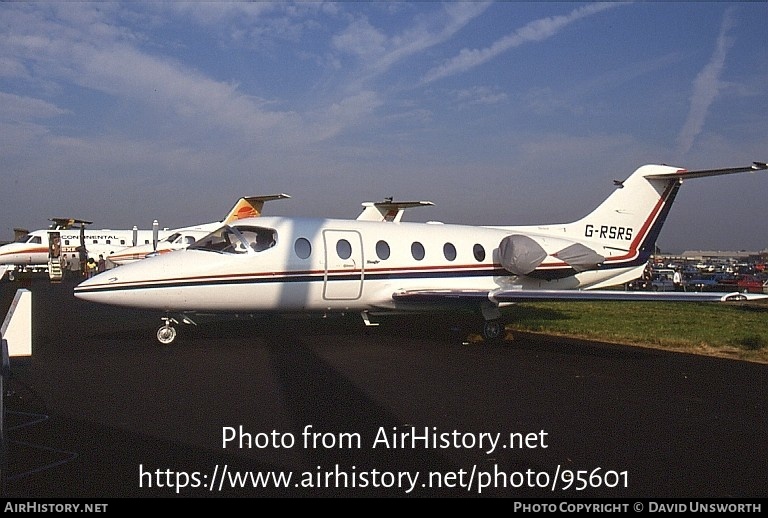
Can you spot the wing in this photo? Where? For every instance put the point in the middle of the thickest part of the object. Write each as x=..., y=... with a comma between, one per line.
x=467, y=297
x=67, y=223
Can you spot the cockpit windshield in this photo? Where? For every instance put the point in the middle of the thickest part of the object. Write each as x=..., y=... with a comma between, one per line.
x=237, y=240
x=173, y=237
x=35, y=240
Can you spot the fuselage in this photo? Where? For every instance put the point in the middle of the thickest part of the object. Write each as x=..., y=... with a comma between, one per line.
x=333, y=265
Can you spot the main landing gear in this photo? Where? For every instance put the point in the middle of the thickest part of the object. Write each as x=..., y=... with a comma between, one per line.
x=493, y=331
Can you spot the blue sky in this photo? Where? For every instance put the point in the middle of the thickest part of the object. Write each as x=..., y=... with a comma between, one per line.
x=500, y=113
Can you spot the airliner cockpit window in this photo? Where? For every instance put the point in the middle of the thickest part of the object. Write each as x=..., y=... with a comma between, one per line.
x=172, y=238
x=35, y=240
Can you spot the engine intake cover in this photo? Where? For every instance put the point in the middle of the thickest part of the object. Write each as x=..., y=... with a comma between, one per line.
x=520, y=254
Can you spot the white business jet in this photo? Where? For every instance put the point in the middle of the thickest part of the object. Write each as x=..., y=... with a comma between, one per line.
x=177, y=239
x=285, y=264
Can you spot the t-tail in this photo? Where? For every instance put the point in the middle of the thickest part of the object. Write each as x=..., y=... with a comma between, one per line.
x=250, y=207
x=620, y=233
x=631, y=218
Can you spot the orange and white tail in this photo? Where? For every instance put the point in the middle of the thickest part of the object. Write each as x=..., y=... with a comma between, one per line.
x=250, y=207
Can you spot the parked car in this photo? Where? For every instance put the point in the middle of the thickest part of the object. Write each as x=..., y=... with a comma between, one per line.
x=704, y=282
x=749, y=284
x=661, y=279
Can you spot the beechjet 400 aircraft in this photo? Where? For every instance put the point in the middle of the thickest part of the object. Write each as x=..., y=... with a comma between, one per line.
x=375, y=267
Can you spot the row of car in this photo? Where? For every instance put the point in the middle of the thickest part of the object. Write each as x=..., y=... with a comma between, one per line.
x=663, y=279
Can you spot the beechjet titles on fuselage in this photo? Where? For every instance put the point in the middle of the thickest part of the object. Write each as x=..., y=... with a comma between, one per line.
x=375, y=267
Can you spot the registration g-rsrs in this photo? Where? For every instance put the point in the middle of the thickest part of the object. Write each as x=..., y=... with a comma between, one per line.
x=608, y=232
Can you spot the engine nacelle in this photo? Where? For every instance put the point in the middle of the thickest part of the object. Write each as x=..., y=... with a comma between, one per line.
x=521, y=254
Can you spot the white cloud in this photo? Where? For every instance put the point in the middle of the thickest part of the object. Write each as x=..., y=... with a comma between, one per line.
x=20, y=108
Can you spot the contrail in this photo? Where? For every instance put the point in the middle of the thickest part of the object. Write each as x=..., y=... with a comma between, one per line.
x=705, y=88
x=536, y=30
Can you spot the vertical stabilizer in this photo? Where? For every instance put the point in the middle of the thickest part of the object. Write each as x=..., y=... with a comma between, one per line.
x=250, y=207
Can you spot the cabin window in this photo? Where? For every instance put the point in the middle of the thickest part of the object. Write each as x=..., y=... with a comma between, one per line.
x=188, y=240
x=122, y=241
x=95, y=241
x=417, y=251
x=66, y=242
x=109, y=241
x=302, y=247
x=479, y=252
x=382, y=250
x=343, y=249
x=449, y=251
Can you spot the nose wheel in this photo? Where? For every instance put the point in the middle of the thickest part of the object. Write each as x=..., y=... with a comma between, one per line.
x=166, y=333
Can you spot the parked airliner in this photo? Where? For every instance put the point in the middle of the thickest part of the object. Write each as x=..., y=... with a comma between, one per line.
x=287, y=264
x=64, y=238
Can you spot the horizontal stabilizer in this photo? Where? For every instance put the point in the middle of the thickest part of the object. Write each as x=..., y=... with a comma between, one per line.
x=388, y=210
x=683, y=174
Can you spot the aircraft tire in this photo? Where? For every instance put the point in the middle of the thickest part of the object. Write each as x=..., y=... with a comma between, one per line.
x=493, y=331
x=166, y=334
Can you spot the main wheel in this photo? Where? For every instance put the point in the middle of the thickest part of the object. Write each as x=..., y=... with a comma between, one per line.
x=166, y=334
x=493, y=330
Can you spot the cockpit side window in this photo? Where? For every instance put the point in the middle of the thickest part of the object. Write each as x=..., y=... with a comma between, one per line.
x=35, y=240
x=237, y=240
x=222, y=240
x=259, y=238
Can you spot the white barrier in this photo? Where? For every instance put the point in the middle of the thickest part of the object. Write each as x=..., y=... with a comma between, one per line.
x=17, y=327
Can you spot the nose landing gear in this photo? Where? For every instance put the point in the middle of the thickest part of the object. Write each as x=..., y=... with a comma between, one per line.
x=167, y=333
